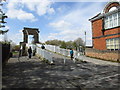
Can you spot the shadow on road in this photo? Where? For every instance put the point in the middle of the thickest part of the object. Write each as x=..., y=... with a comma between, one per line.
x=34, y=73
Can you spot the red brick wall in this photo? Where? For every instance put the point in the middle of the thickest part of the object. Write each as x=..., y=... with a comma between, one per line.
x=112, y=31
x=103, y=54
x=99, y=43
x=112, y=37
x=97, y=27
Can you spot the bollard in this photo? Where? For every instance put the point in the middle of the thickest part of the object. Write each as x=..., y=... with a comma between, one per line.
x=51, y=62
x=51, y=58
x=74, y=59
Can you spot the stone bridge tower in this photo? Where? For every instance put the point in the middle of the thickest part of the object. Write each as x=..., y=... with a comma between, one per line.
x=29, y=31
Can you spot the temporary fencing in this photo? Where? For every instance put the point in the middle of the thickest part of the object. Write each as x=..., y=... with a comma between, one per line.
x=44, y=54
x=65, y=52
x=47, y=53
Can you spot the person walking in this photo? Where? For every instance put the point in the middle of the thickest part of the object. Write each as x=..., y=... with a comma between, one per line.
x=71, y=53
x=43, y=47
x=29, y=52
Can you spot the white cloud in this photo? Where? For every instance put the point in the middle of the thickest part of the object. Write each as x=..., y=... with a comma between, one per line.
x=43, y=7
x=20, y=31
x=60, y=25
x=66, y=31
x=7, y=27
x=51, y=11
x=16, y=9
x=68, y=27
x=53, y=36
x=75, y=23
x=16, y=37
x=21, y=15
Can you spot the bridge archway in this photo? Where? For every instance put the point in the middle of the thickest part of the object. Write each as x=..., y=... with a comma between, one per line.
x=29, y=31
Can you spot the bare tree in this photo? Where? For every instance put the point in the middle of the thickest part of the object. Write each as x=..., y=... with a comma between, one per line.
x=78, y=44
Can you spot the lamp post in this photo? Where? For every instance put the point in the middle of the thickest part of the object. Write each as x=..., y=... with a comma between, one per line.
x=85, y=42
x=85, y=38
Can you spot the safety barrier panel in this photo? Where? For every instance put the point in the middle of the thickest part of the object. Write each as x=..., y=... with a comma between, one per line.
x=61, y=51
x=45, y=54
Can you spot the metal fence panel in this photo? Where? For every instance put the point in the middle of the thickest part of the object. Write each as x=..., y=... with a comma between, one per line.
x=59, y=50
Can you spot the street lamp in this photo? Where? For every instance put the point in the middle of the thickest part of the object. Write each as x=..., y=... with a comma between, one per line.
x=85, y=38
x=85, y=42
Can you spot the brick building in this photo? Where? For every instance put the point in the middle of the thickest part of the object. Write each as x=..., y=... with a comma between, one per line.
x=106, y=28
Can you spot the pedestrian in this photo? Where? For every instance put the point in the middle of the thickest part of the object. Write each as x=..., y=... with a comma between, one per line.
x=43, y=47
x=29, y=52
x=71, y=53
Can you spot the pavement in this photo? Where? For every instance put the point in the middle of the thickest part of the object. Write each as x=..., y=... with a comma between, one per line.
x=98, y=61
x=35, y=73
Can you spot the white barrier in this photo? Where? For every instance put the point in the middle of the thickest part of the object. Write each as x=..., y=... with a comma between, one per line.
x=64, y=52
x=57, y=49
x=45, y=54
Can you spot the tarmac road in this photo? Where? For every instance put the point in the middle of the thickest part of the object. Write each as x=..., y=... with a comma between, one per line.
x=34, y=73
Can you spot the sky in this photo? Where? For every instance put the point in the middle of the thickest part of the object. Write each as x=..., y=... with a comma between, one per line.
x=55, y=20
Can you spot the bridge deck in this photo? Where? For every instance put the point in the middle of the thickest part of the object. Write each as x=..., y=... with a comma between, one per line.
x=34, y=73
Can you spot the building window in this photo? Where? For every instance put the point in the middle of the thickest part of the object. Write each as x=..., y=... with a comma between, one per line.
x=119, y=18
x=112, y=20
x=112, y=9
x=113, y=44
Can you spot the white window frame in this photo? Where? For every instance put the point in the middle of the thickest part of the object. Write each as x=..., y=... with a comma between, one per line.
x=112, y=20
x=113, y=44
x=119, y=18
